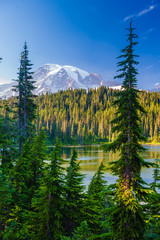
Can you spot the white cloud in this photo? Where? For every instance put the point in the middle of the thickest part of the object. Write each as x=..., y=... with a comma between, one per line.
x=146, y=10
x=149, y=67
x=129, y=17
x=141, y=13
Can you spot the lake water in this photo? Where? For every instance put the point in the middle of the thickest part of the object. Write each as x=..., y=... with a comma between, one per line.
x=90, y=157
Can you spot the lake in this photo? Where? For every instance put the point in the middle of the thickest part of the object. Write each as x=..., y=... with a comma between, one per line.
x=90, y=157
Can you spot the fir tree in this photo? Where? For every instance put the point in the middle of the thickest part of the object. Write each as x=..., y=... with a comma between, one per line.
x=127, y=219
x=6, y=201
x=95, y=201
x=1, y=127
x=74, y=195
x=20, y=88
x=22, y=176
x=29, y=105
x=156, y=175
x=83, y=232
x=26, y=106
x=153, y=208
x=26, y=176
x=45, y=220
x=97, y=184
x=38, y=156
x=8, y=149
x=28, y=170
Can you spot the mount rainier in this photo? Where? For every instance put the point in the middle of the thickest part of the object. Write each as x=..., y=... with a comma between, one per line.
x=52, y=78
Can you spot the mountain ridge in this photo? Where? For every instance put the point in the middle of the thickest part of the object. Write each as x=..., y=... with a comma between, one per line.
x=53, y=78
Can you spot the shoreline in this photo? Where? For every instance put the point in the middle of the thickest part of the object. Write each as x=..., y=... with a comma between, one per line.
x=99, y=144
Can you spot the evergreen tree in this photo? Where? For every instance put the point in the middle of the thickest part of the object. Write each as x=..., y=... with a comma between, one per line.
x=1, y=127
x=22, y=176
x=156, y=175
x=74, y=195
x=1, y=131
x=56, y=109
x=95, y=201
x=45, y=221
x=28, y=170
x=153, y=208
x=127, y=218
x=8, y=149
x=83, y=232
x=38, y=157
x=97, y=184
x=6, y=201
x=26, y=106
x=26, y=176
x=20, y=88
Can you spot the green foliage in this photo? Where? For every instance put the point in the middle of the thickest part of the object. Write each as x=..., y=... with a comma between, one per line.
x=127, y=218
x=8, y=144
x=97, y=184
x=63, y=115
x=28, y=170
x=38, y=200
x=26, y=107
x=83, y=232
x=74, y=195
x=38, y=157
x=95, y=201
x=156, y=174
x=77, y=115
x=16, y=225
x=153, y=208
x=48, y=203
x=22, y=177
x=25, y=178
x=6, y=200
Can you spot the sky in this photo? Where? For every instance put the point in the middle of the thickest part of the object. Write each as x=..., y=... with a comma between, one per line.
x=88, y=34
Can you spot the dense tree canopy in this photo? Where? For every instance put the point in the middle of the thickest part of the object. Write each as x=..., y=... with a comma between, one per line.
x=77, y=116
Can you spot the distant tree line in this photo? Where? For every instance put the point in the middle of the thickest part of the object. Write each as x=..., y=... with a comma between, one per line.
x=77, y=116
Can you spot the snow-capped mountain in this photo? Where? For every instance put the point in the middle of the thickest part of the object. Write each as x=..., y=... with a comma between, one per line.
x=156, y=88
x=52, y=78
x=5, y=90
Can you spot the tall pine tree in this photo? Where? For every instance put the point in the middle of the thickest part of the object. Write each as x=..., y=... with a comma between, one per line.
x=127, y=218
x=26, y=107
x=96, y=201
x=8, y=148
x=74, y=195
x=26, y=177
x=153, y=208
x=45, y=220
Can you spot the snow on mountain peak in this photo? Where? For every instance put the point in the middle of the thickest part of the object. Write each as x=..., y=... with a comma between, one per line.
x=70, y=70
x=54, y=77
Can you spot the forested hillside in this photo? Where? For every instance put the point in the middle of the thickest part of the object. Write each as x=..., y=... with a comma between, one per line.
x=41, y=198
x=77, y=116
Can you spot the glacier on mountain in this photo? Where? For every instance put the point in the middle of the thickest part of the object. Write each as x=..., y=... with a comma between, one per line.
x=53, y=78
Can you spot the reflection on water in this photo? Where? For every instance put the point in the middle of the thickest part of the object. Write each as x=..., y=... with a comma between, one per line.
x=91, y=156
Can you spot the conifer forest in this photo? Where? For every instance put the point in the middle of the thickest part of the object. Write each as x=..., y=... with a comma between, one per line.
x=43, y=199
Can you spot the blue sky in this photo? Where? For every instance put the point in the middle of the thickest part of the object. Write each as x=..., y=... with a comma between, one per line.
x=88, y=34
